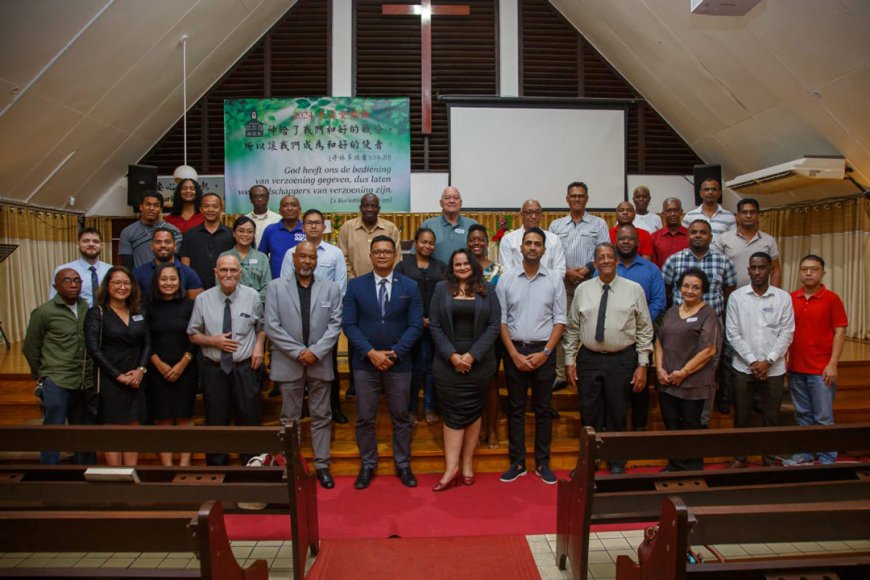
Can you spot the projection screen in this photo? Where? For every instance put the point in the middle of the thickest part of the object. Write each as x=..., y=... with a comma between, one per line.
x=502, y=155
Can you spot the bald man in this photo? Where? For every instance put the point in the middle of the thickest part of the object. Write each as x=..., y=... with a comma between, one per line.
x=451, y=228
x=280, y=237
x=54, y=347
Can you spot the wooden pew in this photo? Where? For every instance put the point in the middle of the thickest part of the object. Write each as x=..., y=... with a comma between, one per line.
x=588, y=499
x=200, y=532
x=681, y=527
x=293, y=490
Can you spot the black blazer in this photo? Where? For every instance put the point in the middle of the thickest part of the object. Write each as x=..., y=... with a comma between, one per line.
x=487, y=322
x=426, y=283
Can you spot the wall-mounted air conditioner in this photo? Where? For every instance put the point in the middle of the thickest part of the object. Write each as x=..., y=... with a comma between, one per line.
x=807, y=170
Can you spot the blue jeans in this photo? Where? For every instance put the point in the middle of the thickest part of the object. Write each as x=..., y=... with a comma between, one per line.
x=79, y=406
x=813, y=405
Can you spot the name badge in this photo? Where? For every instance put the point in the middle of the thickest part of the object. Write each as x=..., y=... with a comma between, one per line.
x=252, y=260
x=325, y=304
x=299, y=237
x=138, y=318
x=767, y=309
x=692, y=319
x=459, y=230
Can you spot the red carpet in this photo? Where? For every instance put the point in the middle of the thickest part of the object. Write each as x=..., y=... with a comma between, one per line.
x=526, y=506
x=456, y=558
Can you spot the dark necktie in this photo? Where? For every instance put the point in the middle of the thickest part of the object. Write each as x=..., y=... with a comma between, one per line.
x=602, y=314
x=382, y=297
x=95, y=284
x=227, y=357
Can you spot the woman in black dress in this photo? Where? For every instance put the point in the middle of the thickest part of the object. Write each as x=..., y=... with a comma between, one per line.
x=465, y=319
x=426, y=271
x=172, y=372
x=116, y=337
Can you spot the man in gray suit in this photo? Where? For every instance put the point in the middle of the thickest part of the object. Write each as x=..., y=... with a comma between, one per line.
x=303, y=321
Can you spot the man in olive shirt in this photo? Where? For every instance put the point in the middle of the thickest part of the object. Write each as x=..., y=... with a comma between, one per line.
x=54, y=347
x=609, y=316
x=356, y=235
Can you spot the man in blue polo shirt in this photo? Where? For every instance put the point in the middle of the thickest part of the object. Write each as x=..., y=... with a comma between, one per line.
x=163, y=247
x=280, y=237
x=451, y=229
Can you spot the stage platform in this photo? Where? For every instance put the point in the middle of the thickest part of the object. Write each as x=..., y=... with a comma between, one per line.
x=19, y=406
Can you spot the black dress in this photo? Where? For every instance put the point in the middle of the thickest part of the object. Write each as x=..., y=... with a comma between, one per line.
x=123, y=347
x=463, y=396
x=169, y=340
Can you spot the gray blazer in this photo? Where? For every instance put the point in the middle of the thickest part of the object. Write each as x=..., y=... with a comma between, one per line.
x=284, y=328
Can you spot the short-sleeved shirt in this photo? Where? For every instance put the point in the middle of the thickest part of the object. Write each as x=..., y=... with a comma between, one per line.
x=531, y=306
x=815, y=318
x=667, y=243
x=720, y=222
x=277, y=240
x=136, y=241
x=247, y=319
x=448, y=237
x=739, y=249
x=682, y=339
x=355, y=239
x=203, y=248
x=719, y=270
x=579, y=238
x=145, y=273
x=650, y=222
x=256, y=273
x=644, y=241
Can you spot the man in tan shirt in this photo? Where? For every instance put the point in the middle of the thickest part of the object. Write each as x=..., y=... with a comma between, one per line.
x=355, y=236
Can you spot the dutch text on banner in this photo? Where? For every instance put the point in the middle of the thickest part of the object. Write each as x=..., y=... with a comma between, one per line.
x=327, y=151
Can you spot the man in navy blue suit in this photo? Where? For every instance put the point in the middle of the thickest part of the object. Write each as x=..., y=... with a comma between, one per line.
x=383, y=318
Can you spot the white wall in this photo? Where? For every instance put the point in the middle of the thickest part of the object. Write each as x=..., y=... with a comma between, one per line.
x=662, y=187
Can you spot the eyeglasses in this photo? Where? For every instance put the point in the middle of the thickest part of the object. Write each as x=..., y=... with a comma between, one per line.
x=811, y=269
x=383, y=252
x=313, y=223
x=120, y=283
x=71, y=281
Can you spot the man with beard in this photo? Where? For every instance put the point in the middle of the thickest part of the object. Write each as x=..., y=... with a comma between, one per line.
x=625, y=215
x=134, y=245
x=281, y=236
x=740, y=243
x=89, y=267
x=532, y=301
x=356, y=235
x=163, y=249
x=303, y=321
x=609, y=317
x=672, y=238
x=510, y=249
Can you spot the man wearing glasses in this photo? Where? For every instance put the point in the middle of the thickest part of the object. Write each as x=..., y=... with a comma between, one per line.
x=720, y=219
x=509, y=254
x=382, y=319
x=54, y=347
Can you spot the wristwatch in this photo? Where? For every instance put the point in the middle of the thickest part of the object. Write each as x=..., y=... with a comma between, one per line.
x=547, y=351
x=143, y=369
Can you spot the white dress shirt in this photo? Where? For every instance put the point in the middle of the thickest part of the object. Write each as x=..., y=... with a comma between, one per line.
x=261, y=222
x=510, y=256
x=83, y=267
x=759, y=327
x=650, y=222
x=330, y=265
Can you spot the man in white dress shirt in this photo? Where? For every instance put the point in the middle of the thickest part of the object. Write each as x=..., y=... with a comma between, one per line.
x=261, y=214
x=759, y=325
x=89, y=266
x=509, y=254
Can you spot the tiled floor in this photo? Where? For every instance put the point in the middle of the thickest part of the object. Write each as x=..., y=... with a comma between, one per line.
x=604, y=547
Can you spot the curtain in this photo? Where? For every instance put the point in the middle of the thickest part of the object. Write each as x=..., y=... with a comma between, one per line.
x=839, y=232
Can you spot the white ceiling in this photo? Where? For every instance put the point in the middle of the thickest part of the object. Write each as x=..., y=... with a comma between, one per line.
x=788, y=79
x=88, y=86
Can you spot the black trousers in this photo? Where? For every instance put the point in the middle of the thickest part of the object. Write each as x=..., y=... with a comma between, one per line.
x=335, y=386
x=235, y=395
x=604, y=384
x=679, y=414
x=540, y=381
x=770, y=391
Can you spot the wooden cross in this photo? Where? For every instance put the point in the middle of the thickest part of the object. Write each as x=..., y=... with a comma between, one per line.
x=426, y=11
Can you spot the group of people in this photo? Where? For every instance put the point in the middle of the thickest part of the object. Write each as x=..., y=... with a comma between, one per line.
x=196, y=306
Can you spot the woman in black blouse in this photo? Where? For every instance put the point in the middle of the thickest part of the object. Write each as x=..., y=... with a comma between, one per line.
x=427, y=272
x=172, y=373
x=116, y=337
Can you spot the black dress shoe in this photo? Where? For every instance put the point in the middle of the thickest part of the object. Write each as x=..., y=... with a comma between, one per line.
x=559, y=385
x=723, y=406
x=408, y=479
x=338, y=416
x=350, y=393
x=326, y=481
x=275, y=392
x=365, y=477
x=554, y=414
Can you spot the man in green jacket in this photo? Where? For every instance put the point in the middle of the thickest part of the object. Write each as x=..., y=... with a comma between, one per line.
x=55, y=350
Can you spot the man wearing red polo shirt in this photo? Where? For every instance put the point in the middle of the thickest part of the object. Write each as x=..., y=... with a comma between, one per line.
x=820, y=330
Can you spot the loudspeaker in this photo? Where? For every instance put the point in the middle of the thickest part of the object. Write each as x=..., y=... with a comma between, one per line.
x=140, y=178
x=703, y=172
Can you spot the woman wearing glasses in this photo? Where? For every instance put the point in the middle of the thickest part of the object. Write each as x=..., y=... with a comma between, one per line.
x=116, y=337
